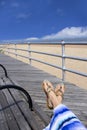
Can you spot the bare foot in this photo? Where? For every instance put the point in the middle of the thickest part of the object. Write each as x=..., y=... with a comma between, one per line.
x=59, y=90
x=50, y=94
x=47, y=86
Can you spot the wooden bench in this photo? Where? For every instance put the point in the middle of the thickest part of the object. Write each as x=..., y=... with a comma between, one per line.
x=17, y=110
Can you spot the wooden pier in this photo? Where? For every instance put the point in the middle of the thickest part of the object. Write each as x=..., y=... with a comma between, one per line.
x=30, y=78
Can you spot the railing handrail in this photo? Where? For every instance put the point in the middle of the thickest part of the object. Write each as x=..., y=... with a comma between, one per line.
x=51, y=54
x=62, y=56
x=49, y=43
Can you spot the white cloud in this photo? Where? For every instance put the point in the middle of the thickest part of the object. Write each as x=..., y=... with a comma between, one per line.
x=72, y=32
x=32, y=39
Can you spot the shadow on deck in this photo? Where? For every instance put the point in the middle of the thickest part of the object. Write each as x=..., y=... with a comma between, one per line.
x=31, y=78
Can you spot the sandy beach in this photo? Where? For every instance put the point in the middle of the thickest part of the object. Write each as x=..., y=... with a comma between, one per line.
x=70, y=50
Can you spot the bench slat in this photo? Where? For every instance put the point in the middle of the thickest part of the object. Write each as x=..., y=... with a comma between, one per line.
x=37, y=119
x=3, y=123
x=24, y=108
x=22, y=123
x=12, y=124
x=37, y=108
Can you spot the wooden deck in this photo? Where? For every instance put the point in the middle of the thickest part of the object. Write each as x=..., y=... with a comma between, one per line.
x=31, y=78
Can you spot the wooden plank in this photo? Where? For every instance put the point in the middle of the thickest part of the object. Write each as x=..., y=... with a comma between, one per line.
x=36, y=108
x=12, y=124
x=24, y=108
x=1, y=82
x=3, y=123
x=30, y=78
x=22, y=123
x=41, y=113
x=28, y=115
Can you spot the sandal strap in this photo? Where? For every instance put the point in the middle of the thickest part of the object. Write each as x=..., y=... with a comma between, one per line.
x=59, y=93
x=49, y=89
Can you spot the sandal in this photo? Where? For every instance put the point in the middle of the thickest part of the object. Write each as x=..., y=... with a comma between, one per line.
x=59, y=90
x=47, y=87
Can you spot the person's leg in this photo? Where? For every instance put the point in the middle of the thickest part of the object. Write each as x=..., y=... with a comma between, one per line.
x=52, y=99
x=63, y=118
x=50, y=94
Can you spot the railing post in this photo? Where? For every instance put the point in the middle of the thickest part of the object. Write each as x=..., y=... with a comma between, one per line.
x=16, y=50
x=29, y=53
x=63, y=60
x=8, y=48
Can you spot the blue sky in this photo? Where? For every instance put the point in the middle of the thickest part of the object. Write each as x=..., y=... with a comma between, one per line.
x=42, y=19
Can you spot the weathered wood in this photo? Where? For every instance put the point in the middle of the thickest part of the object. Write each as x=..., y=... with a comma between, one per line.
x=3, y=123
x=24, y=108
x=12, y=124
x=28, y=115
x=36, y=108
x=23, y=125
x=31, y=78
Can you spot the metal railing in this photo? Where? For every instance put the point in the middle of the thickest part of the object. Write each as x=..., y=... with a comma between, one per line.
x=62, y=56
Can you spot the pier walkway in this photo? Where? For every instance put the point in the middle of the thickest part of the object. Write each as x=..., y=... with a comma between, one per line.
x=30, y=78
